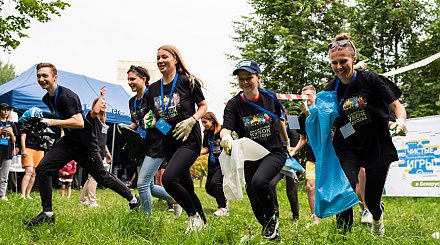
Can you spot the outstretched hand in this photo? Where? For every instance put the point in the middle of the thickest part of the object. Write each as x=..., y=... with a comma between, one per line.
x=183, y=129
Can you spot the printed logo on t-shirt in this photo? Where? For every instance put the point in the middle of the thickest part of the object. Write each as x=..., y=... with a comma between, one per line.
x=258, y=127
x=216, y=151
x=104, y=129
x=356, y=110
x=173, y=107
x=134, y=116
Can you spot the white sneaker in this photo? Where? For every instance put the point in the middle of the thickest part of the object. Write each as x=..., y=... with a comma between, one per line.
x=189, y=226
x=93, y=205
x=195, y=223
x=4, y=198
x=221, y=212
x=83, y=203
x=177, y=209
x=367, y=217
x=29, y=197
x=377, y=227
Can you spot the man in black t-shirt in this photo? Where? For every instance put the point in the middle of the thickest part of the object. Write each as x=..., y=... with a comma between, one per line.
x=78, y=143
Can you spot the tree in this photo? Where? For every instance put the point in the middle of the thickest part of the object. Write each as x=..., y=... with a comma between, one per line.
x=16, y=16
x=7, y=72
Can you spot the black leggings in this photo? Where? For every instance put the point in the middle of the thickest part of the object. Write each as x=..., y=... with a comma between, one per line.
x=62, y=153
x=178, y=183
x=258, y=175
x=375, y=178
x=214, y=185
x=291, y=192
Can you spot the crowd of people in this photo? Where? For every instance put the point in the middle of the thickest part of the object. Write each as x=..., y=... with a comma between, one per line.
x=165, y=115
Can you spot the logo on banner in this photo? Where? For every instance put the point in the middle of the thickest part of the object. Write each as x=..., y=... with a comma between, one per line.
x=419, y=157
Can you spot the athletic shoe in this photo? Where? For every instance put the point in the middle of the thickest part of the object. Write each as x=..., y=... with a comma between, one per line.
x=377, y=227
x=135, y=206
x=276, y=238
x=177, y=210
x=29, y=197
x=270, y=230
x=40, y=219
x=83, y=203
x=195, y=223
x=367, y=217
x=93, y=205
x=4, y=198
x=170, y=207
x=221, y=212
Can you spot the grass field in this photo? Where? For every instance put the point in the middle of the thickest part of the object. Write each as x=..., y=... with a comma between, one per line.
x=407, y=221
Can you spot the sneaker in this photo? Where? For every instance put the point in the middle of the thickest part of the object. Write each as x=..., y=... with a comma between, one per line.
x=177, y=210
x=40, y=219
x=195, y=223
x=377, y=227
x=93, y=205
x=83, y=203
x=135, y=206
x=29, y=197
x=367, y=217
x=4, y=198
x=221, y=212
x=270, y=230
x=276, y=238
x=170, y=207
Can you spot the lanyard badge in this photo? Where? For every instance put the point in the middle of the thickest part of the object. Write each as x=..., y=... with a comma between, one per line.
x=163, y=126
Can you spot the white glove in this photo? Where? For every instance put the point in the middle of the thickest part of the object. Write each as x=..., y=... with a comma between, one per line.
x=399, y=127
x=290, y=153
x=226, y=143
x=183, y=128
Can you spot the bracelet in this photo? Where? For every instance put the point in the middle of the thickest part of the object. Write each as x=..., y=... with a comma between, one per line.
x=194, y=118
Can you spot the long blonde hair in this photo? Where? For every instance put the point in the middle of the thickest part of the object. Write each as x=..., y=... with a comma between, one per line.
x=180, y=66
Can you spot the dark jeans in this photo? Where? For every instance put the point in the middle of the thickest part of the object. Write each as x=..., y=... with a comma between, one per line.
x=291, y=192
x=214, y=185
x=63, y=152
x=178, y=183
x=375, y=178
x=258, y=175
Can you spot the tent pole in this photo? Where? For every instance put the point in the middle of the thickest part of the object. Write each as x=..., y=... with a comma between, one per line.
x=113, y=147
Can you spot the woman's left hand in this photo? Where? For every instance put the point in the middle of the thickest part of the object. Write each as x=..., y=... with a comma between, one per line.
x=183, y=129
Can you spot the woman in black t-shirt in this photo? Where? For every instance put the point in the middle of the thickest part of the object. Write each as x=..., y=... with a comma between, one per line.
x=97, y=118
x=362, y=137
x=173, y=100
x=211, y=146
x=8, y=131
x=257, y=114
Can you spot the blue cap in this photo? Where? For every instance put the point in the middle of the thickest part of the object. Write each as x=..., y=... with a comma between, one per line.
x=247, y=65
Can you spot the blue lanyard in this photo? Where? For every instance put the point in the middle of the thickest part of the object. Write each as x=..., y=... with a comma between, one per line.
x=211, y=141
x=165, y=108
x=352, y=82
x=138, y=112
x=55, y=110
x=4, y=125
x=264, y=110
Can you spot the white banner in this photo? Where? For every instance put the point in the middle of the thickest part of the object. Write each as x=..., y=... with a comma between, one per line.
x=417, y=173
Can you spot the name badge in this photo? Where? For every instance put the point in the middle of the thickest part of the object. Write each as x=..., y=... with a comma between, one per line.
x=163, y=126
x=211, y=158
x=347, y=130
x=4, y=142
x=142, y=133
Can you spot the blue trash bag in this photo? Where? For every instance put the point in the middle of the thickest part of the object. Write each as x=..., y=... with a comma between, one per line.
x=333, y=191
x=292, y=163
x=33, y=112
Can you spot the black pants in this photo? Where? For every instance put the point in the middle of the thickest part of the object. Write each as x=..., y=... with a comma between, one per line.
x=178, y=183
x=63, y=152
x=258, y=175
x=214, y=185
x=375, y=178
x=291, y=192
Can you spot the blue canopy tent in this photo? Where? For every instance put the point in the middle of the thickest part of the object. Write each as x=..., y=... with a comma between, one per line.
x=23, y=92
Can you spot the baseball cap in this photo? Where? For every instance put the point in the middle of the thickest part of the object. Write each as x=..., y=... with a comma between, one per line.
x=247, y=65
x=4, y=106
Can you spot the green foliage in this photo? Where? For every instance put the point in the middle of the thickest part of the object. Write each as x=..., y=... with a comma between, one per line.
x=407, y=221
x=289, y=40
x=16, y=16
x=7, y=72
x=200, y=168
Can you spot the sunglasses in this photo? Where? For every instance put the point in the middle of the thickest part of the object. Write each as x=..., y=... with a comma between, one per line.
x=137, y=70
x=340, y=43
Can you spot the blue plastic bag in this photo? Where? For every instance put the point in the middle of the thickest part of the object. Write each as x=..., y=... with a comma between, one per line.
x=33, y=112
x=333, y=191
x=292, y=163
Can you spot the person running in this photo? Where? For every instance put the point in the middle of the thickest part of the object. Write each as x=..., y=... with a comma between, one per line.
x=138, y=78
x=78, y=143
x=255, y=113
x=97, y=117
x=173, y=100
x=211, y=146
x=362, y=137
x=310, y=157
x=8, y=132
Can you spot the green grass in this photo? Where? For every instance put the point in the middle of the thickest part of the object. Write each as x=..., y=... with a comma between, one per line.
x=407, y=221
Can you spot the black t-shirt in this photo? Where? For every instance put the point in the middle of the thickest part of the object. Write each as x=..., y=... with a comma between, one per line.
x=31, y=140
x=302, y=131
x=68, y=104
x=248, y=121
x=212, y=141
x=153, y=137
x=100, y=131
x=6, y=145
x=365, y=105
x=181, y=107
